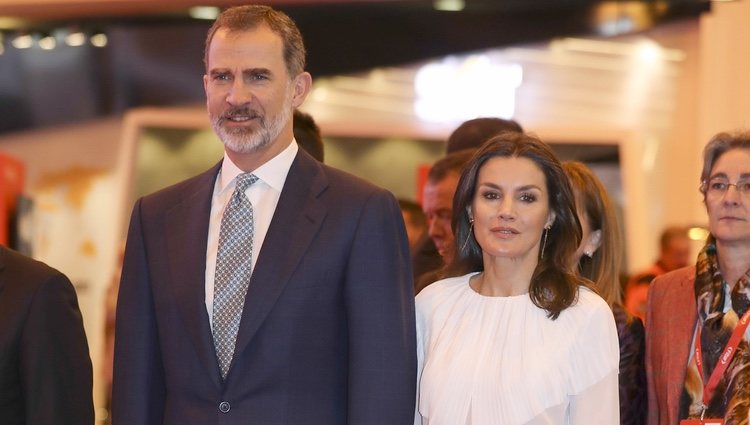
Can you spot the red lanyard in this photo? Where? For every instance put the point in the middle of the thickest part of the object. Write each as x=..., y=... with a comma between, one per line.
x=726, y=356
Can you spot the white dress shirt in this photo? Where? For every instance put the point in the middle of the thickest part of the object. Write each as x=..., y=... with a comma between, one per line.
x=264, y=195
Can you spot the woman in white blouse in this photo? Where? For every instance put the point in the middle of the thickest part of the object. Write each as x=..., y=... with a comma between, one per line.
x=516, y=338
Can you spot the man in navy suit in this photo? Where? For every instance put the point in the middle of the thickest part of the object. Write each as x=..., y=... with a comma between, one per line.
x=45, y=369
x=326, y=330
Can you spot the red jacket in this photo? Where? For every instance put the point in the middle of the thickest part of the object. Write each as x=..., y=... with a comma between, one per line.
x=670, y=325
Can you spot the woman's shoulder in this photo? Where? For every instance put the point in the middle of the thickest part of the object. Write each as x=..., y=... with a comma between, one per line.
x=589, y=315
x=443, y=287
x=589, y=302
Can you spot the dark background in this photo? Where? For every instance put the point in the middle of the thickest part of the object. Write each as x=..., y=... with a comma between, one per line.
x=156, y=59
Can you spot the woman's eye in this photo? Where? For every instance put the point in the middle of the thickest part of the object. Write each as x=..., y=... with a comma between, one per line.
x=718, y=186
x=527, y=197
x=491, y=195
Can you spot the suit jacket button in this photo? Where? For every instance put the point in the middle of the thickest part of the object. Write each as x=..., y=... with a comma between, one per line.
x=224, y=407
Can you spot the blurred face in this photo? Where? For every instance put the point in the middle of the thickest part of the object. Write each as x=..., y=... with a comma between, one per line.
x=729, y=212
x=437, y=204
x=676, y=254
x=510, y=208
x=414, y=230
x=249, y=93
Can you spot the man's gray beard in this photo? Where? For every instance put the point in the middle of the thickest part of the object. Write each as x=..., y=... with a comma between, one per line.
x=248, y=140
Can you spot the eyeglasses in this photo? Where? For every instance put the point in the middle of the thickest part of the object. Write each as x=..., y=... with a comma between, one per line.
x=718, y=187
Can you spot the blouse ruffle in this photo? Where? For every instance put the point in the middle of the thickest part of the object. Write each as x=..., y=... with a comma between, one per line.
x=501, y=360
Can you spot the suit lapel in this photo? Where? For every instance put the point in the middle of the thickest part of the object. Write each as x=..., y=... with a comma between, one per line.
x=295, y=222
x=187, y=236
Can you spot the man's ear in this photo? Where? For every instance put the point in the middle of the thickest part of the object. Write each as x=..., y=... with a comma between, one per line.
x=301, y=85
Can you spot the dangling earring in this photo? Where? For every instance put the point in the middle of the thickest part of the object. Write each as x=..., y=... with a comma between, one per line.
x=468, y=236
x=544, y=241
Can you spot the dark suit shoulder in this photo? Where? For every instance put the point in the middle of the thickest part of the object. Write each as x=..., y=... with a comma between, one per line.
x=346, y=182
x=18, y=269
x=185, y=188
x=332, y=183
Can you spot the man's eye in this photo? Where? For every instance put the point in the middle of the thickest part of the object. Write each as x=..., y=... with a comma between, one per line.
x=258, y=77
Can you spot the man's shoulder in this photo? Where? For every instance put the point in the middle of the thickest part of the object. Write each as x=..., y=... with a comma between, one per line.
x=200, y=182
x=343, y=181
x=24, y=270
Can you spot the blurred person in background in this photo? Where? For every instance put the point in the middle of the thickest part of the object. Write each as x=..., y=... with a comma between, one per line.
x=437, y=204
x=516, y=337
x=674, y=253
x=598, y=259
x=45, y=368
x=415, y=221
x=307, y=134
x=697, y=352
x=473, y=133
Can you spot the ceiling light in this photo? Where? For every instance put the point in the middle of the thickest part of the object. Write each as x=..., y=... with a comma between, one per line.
x=449, y=5
x=482, y=87
x=99, y=39
x=22, y=41
x=75, y=39
x=47, y=43
x=204, y=12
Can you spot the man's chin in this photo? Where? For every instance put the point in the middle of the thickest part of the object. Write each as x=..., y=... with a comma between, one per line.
x=242, y=142
x=445, y=254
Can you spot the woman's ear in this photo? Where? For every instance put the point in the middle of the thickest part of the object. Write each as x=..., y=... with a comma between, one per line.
x=592, y=243
x=550, y=220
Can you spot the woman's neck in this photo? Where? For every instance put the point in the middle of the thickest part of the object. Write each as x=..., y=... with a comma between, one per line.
x=505, y=277
x=734, y=261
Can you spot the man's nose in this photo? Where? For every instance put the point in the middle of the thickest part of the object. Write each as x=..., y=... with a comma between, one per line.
x=240, y=93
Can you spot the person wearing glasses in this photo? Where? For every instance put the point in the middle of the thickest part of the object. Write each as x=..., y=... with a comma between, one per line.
x=697, y=351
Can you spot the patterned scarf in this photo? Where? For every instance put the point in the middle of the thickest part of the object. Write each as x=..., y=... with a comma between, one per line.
x=731, y=400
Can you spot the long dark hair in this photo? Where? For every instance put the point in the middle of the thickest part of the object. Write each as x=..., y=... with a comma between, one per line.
x=553, y=286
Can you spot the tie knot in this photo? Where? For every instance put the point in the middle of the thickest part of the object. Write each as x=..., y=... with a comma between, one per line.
x=244, y=181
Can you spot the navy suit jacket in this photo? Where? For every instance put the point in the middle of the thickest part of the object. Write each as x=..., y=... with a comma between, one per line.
x=45, y=369
x=327, y=333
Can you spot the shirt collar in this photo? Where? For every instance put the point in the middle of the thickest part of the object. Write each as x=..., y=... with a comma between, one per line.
x=273, y=172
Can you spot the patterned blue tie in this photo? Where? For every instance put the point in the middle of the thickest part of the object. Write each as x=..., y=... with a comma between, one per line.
x=233, y=270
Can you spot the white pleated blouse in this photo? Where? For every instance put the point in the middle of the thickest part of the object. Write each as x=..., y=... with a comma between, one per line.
x=501, y=360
